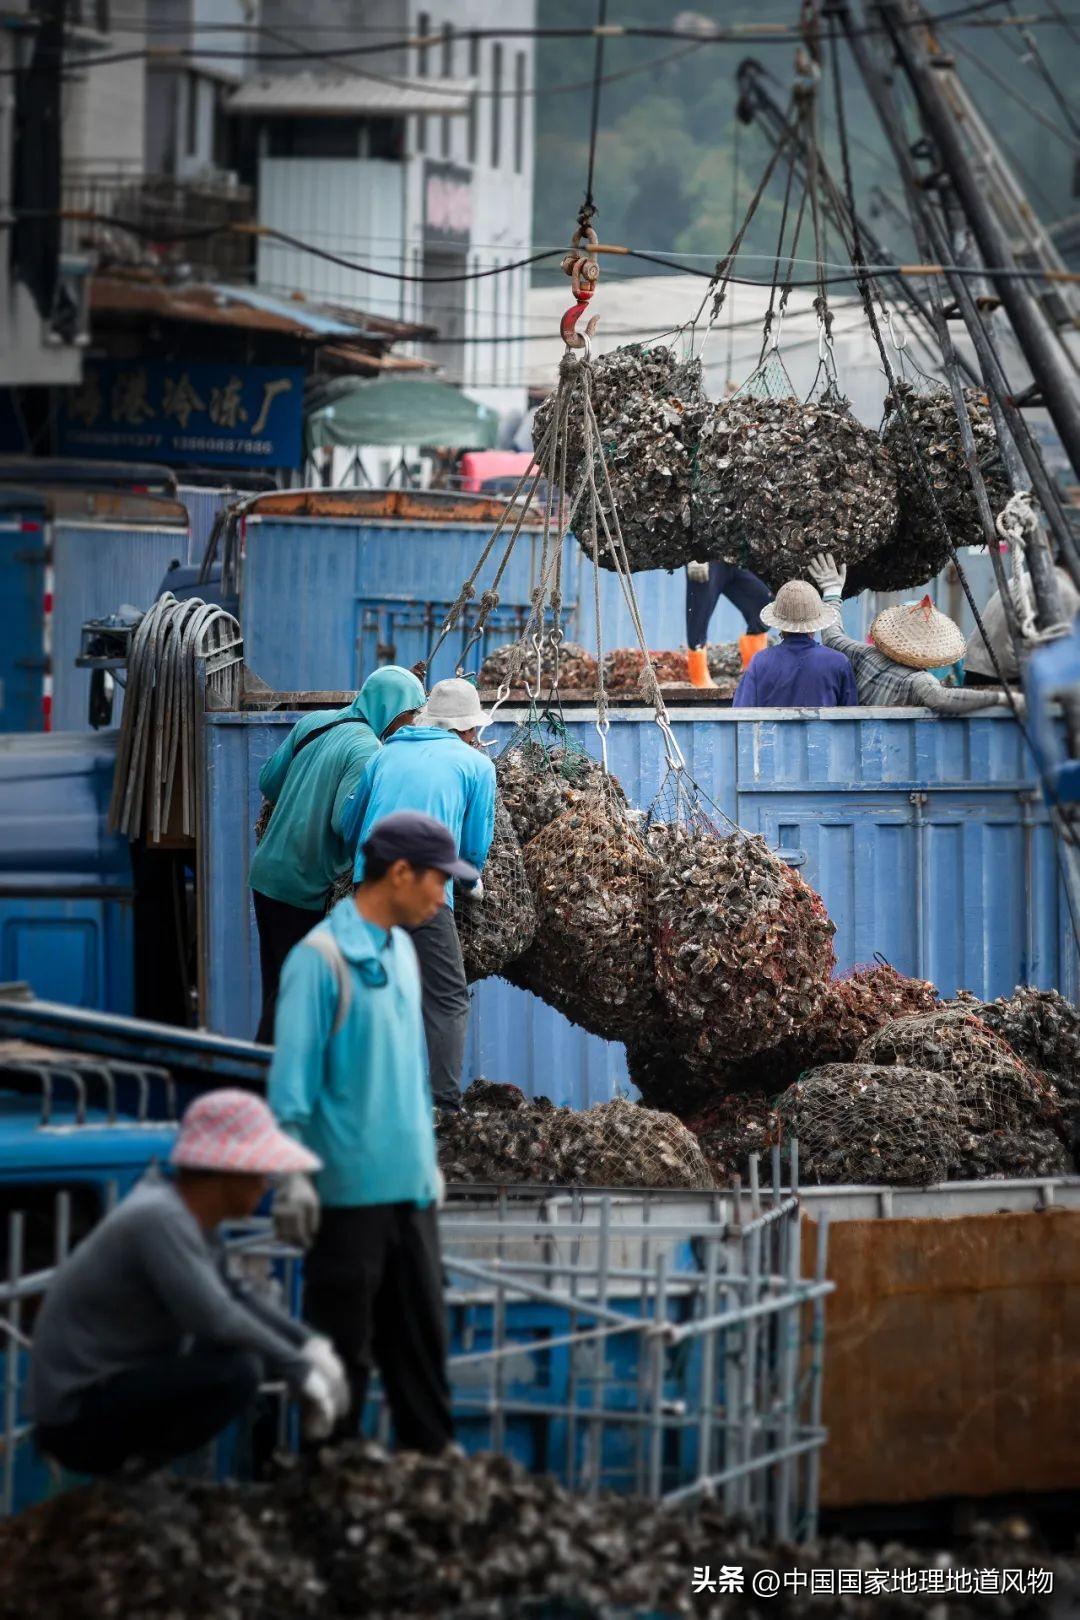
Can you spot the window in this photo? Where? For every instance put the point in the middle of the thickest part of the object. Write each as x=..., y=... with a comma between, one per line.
x=313, y=137
x=423, y=28
x=447, y=73
x=496, y=105
x=519, y=111
x=474, y=73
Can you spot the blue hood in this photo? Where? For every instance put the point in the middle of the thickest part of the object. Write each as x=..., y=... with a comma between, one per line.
x=388, y=692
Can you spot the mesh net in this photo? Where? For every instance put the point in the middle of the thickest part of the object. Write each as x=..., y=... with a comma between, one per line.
x=928, y=446
x=501, y=1136
x=577, y=668
x=1005, y=1106
x=592, y=880
x=543, y=771
x=725, y=660
x=657, y=1065
x=497, y=928
x=645, y=401
x=730, y=1128
x=1043, y=1029
x=743, y=945
x=864, y=1122
x=778, y=481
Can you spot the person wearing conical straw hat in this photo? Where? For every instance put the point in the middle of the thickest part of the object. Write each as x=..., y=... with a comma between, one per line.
x=893, y=669
x=798, y=673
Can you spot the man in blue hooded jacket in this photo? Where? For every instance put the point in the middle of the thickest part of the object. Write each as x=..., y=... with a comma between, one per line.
x=434, y=768
x=349, y=1080
x=307, y=781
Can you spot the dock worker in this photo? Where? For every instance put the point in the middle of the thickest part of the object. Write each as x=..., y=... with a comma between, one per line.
x=304, y=852
x=798, y=673
x=349, y=1079
x=706, y=583
x=906, y=643
x=978, y=665
x=433, y=766
x=144, y=1349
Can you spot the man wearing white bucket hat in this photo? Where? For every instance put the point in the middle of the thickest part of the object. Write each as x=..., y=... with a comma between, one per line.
x=906, y=642
x=144, y=1348
x=798, y=673
x=433, y=767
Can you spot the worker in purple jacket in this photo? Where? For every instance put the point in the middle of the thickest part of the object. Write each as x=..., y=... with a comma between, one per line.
x=799, y=673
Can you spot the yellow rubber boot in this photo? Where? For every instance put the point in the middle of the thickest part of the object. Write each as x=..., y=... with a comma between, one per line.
x=698, y=660
x=749, y=645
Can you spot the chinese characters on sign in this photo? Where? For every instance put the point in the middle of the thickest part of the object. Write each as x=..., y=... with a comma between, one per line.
x=728, y=1578
x=159, y=410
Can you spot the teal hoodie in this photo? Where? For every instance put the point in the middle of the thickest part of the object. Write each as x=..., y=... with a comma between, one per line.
x=304, y=851
x=359, y=1098
x=429, y=769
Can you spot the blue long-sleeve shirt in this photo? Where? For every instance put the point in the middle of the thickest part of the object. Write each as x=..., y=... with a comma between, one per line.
x=358, y=1097
x=428, y=769
x=798, y=673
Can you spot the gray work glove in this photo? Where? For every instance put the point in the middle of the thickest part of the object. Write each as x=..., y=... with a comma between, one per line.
x=698, y=572
x=295, y=1211
x=323, y=1359
x=828, y=578
x=317, y=1402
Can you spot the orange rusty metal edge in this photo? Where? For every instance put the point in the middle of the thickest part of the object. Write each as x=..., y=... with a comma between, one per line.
x=67, y=503
x=951, y=1357
x=406, y=505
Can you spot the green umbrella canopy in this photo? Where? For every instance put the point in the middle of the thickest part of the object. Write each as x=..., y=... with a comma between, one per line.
x=397, y=410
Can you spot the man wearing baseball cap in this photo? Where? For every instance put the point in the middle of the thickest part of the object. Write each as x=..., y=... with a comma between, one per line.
x=350, y=1080
x=144, y=1348
x=434, y=767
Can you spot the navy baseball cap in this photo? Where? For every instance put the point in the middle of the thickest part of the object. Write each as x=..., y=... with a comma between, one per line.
x=409, y=835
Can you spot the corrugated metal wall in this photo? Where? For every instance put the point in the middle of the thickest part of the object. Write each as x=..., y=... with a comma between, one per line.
x=926, y=838
x=203, y=506
x=98, y=568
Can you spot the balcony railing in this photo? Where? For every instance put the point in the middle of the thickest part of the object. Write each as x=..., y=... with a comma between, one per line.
x=141, y=217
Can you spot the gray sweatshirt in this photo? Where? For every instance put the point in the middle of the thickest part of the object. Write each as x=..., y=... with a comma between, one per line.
x=883, y=682
x=143, y=1281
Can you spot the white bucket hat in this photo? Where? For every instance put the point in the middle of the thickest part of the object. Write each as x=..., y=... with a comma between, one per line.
x=917, y=635
x=453, y=704
x=799, y=610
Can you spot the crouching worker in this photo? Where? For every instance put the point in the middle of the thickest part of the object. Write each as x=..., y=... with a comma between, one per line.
x=144, y=1349
x=350, y=1080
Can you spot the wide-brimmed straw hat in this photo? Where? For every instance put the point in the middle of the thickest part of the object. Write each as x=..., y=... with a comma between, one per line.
x=234, y=1131
x=917, y=635
x=798, y=610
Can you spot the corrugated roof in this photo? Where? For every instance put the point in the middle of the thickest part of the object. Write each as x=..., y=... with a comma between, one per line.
x=342, y=95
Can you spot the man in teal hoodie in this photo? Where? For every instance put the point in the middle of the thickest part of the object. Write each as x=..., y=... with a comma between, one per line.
x=307, y=781
x=434, y=767
x=349, y=1080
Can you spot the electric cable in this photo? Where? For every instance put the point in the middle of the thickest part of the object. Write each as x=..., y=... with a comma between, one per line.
x=1039, y=66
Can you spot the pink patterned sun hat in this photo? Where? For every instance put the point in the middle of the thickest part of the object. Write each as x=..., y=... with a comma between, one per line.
x=233, y=1130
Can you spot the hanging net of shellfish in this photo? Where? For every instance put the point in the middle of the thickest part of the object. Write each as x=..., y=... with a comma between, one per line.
x=495, y=929
x=866, y=1122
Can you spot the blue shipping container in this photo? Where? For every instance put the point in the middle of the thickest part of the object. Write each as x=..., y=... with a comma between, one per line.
x=66, y=893
x=926, y=838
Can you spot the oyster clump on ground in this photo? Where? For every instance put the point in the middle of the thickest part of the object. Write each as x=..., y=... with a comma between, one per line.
x=577, y=669
x=778, y=481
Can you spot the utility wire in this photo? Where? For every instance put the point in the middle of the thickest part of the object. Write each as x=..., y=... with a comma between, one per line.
x=1040, y=67
x=1011, y=91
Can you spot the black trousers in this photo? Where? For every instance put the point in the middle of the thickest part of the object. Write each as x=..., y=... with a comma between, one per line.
x=280, y=926
x=742, y=588
x=445, y=1004
x=155, y=1412
x=374, y=1287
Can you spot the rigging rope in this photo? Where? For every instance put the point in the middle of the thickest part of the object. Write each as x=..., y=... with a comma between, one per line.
x=589, y=208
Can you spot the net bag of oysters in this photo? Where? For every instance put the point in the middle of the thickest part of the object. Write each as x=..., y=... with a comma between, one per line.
x=500, y=925
x=592, y=880
x=864, y=1122
x=632, y=415
x=937, y=503
x=1043, y=1029
x=778, y=480
x=743, y=946
x=542, y=770
x=1009, y=1112
x=620, y=1144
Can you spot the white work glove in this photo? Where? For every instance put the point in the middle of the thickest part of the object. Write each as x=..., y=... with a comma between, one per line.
x=323, y=1359
x=295, y=1211
x=828, y=578
x=698, y=572
x=440, y=1188
x=319, y=1410
x=476, y=893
